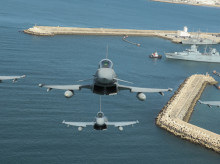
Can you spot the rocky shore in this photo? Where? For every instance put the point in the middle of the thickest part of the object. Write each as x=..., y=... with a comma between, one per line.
x=176, y=113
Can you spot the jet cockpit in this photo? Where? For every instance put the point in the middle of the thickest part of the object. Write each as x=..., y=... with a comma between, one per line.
x=100, y=114
x=105, y=63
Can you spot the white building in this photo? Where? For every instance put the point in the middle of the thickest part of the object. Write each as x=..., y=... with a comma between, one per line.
x=183, y=33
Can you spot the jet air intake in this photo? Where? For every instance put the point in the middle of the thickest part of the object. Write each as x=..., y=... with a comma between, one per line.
x=141, y=96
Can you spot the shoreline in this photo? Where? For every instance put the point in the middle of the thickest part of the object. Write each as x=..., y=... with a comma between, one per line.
x=165, y=34
x=181, y=2
x=176, y=113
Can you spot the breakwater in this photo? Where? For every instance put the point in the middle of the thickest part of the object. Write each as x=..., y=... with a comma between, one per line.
x=50, y=30
x=176, y=113
x=170, y=35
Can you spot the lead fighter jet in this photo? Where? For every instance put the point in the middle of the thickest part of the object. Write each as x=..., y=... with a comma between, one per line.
x=13, y=78
x=105, y=82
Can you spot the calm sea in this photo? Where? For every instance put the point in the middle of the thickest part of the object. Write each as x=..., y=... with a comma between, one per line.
x=30, y=118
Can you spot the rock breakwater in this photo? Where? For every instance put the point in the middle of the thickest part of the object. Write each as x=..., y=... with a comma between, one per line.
x=176, y=113
x=165, y=34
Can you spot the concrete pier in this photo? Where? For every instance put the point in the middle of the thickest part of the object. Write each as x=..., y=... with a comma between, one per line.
x=171, y=35
x=176, y=113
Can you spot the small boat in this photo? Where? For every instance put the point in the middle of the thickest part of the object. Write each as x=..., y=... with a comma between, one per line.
x=155, y=55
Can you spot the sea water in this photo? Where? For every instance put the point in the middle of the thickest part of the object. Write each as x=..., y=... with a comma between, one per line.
x=31, y=129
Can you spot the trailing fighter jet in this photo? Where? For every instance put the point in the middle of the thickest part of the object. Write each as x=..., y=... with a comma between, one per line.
x=13, y=78
x=100, y=122
x=210, y=103
x=105, y=82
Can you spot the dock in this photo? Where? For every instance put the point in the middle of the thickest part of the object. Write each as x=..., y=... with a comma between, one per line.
x=176, y=113
x=170, y=35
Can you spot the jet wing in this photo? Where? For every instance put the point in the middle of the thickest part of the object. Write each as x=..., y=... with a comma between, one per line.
x=14, y=78
x=79, y=124
x=210, y=103
x=117, y=124
x=65, y=87
x=137, y=89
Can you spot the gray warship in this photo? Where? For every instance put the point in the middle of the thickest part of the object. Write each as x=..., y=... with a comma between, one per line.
x=193, y=54
x=198, y=41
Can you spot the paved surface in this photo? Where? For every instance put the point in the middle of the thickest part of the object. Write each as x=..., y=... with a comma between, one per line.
x=171, y=35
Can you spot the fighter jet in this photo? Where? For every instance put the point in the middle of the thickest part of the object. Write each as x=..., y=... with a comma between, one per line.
x=105, y=82
x=210, y=103
x=100, y=123
x=13, y=78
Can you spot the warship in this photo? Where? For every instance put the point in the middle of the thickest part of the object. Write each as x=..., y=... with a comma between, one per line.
x=193, y=54
x=198, y=41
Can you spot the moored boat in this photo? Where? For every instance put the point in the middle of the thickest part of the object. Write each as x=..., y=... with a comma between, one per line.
x=155, y=55
x=193, y=54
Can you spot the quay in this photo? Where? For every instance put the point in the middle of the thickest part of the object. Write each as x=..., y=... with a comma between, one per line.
x=170, y=35
x=176, y=113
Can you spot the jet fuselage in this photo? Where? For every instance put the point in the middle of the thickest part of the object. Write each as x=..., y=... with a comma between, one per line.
x=100, y=122
x=105, y=81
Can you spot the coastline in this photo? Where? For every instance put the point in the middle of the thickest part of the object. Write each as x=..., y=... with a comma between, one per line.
x=186, y=3
x=176, y=113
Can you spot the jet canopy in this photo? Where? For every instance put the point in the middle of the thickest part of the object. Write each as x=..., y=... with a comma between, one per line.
x=100, y=114
x=105, y=63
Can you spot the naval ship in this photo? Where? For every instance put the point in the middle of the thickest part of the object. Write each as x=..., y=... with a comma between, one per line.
x=198, y=41
x=193, y=54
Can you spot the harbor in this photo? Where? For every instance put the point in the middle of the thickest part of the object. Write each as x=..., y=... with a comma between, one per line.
x=165, y=34
x=175, y=115
x=32, y=129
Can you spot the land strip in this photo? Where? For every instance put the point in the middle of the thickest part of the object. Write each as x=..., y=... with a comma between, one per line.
x=171, y=35
x=176, y=113
x=209, y=3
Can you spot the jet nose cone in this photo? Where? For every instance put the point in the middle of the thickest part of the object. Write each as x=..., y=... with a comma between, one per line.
x=105, y=76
